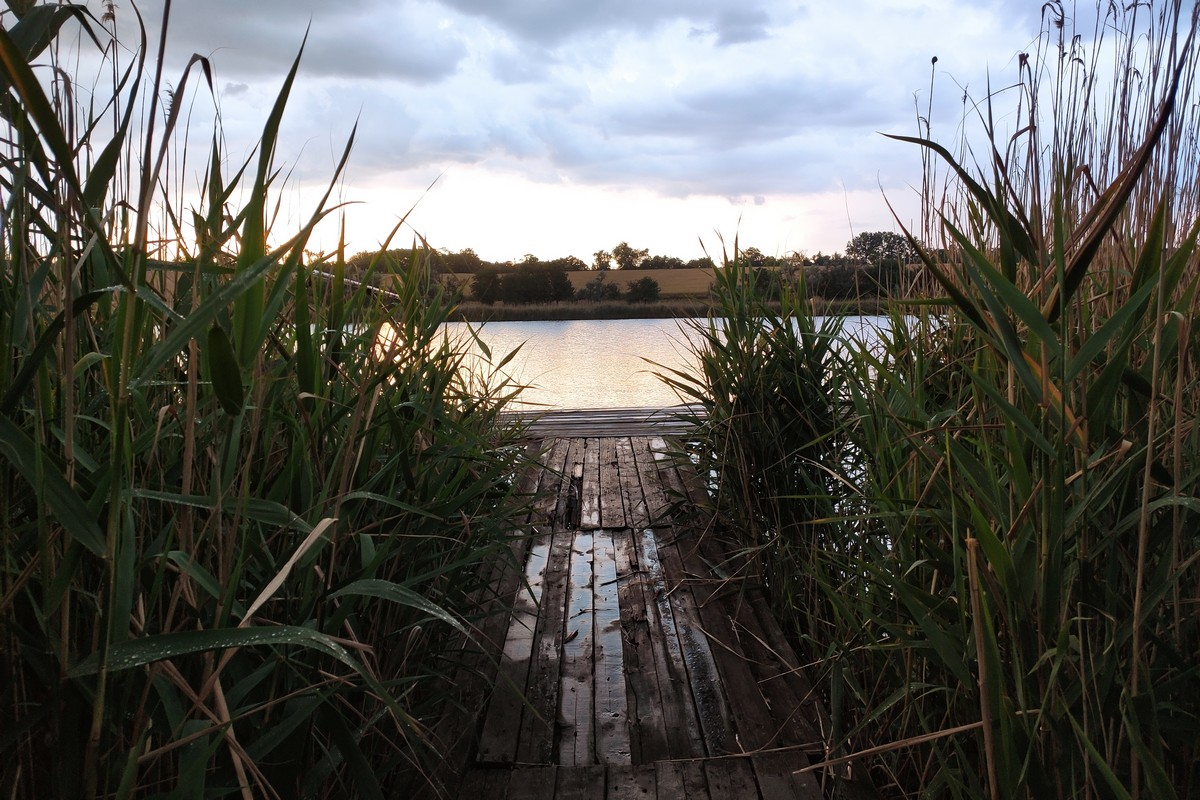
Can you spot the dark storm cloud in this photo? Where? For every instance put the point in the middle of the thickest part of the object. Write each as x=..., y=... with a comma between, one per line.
x=776, y=108
x=551, y=22
x=733, y=98
x=741, y=26
x=350, y=39
x=810, y=162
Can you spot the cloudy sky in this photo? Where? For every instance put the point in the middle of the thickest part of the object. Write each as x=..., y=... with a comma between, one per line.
x=560, y=127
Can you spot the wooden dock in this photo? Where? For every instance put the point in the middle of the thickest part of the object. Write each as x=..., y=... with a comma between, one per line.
x=635, y=663
x=600, y=422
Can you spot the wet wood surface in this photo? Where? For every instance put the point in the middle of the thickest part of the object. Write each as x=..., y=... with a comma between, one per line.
x=628, y=668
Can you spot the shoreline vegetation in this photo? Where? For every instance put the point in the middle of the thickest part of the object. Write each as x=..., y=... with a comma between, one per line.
x=241, y=533
x=468, y=311
x=985, y=537
x=244, y=538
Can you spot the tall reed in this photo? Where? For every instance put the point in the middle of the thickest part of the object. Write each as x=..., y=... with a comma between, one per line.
x=242, y=503
x=1008, y=585
x=761, y=375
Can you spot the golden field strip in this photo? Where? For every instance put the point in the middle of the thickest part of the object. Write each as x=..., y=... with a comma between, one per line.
x=672, y=283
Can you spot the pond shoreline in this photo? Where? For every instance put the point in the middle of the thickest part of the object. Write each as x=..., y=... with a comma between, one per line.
x=470, y=311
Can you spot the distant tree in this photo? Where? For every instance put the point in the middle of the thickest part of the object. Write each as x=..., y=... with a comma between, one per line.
x=464, y=261
x=388, y=261
x=662, y=262
x=358, y=263
x=826, y=259
x=560, y=285
x=833, y=281
x=597, y=289
x=628, y=257
x=643, y=290
x=700, y=263
x=768, y=283
x=570, y=263
x=486, y=285
x=881, y=247
x=536, y=281
x=602, y=260
x=753, y=257
x=453, y=287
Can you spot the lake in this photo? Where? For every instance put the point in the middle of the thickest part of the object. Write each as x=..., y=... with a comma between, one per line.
x=605, y=363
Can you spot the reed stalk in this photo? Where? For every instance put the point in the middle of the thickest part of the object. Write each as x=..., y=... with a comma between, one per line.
x=224, y=503
x=997, y=556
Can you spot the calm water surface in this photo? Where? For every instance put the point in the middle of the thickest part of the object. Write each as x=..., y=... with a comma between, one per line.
x=603, y=363
x=589, y=363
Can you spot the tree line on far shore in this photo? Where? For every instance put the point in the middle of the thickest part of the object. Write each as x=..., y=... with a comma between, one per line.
x=875, y=263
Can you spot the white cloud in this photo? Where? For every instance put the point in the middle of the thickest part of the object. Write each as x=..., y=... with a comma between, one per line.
x=705, y=105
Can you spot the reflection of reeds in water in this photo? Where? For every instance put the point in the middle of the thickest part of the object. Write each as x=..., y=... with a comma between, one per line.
x=236, y=541
x=1003, y=602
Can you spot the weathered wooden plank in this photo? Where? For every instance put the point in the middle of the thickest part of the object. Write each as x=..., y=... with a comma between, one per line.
x=632, y=497
x=612, y=710
x=589, y=500
x=751, y=716
x=530, y=783
x=664, y=465
x=657, y=505
x=489, y=783
x=550, y=487
x=785, y=660
x=536, y=741
x=605, y=422
x=626, y=782
x=679, y=478
x=683, y=666
x=756, y=727
x=730, y=777
x=796, y=714
x=668, y=780
x=634, y=657
x=566, y=514
x=777, y=780
x=498, y=741
x=612, y=506
x=580, y=783
x=681, y=780
x=647, y=725
x=704, y=679
x=695, y=784
x=455, y=733
x=576, y=738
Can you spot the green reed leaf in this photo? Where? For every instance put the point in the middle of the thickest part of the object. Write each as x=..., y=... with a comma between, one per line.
x=402, y=595
x=54, y=492
x=100, y=174
x=248, y=307
x=139, y=652
x=37, y=28
x=306, y=352
x=360, y=768
x=224, y=371
x=44, y=347
x=195, y=324
x=36, y=107
x=1015, y=233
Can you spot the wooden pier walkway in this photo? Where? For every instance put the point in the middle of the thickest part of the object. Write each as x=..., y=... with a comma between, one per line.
x=635, y=664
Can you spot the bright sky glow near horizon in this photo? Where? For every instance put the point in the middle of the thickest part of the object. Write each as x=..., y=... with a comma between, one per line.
x=559, y=128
